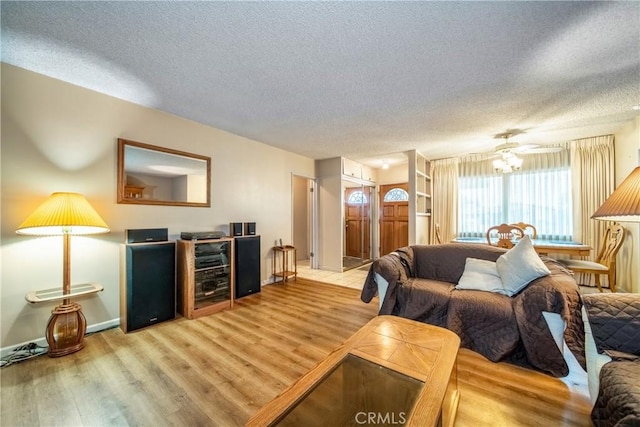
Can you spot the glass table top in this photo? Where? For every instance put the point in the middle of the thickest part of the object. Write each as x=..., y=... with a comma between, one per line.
x=355, y=393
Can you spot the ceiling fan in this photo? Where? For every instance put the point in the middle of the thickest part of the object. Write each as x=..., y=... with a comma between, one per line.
x=515, y=147
x=507, y=160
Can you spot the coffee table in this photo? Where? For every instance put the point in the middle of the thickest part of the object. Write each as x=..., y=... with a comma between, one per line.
x=393, y=371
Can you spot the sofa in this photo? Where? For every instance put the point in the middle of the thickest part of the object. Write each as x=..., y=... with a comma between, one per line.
x=612, y=347
x=537, y=326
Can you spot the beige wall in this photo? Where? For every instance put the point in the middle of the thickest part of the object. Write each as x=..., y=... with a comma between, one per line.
x=627, y=157
x=394, y=175
x=301, y=217
x=59, y=137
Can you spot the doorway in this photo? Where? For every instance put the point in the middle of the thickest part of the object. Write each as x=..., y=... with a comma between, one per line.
x=358, y=201
x=394, y=217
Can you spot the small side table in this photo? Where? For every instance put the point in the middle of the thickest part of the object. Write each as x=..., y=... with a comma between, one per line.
x=286, y=264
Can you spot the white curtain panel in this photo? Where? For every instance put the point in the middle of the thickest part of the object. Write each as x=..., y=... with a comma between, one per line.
x=444, y=200
x=593, y=180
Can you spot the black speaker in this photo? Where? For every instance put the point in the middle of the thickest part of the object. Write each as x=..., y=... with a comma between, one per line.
x=247, y=263
x=149, y=285
x=249, y=228
x=142, y=235
x=235, y=229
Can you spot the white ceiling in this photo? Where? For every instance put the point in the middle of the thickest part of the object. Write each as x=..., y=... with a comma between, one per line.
x=355, y=79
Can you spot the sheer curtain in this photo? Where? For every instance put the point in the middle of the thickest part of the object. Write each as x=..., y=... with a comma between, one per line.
x=592, y=169
x=444, y=202
x=480, y=196
x=539, y=194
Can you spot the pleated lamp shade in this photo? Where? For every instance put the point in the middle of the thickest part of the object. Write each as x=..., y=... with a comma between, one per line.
x=624, y=203
x=63, y=213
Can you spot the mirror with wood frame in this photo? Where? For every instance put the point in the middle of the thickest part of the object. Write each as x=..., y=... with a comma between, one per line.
x=151, y=175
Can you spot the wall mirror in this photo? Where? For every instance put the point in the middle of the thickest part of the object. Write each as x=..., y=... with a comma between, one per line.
x=151, y=175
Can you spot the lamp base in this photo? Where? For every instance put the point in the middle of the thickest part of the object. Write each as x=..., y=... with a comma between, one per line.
x=65, y=329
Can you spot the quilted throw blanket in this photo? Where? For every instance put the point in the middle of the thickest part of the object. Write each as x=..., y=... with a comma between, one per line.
x=618, y=403
x=615, y=323
x=494, y=325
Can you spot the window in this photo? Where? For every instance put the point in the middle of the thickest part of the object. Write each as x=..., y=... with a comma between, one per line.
x=539, y=195
x=357, y=198
x=396, y=195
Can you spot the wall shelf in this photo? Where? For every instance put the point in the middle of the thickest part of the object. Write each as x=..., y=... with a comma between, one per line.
x=55, y=294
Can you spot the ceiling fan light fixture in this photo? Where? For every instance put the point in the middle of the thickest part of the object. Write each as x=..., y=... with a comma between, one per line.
x=507, y=164
x=515, y=162
x=508, y=161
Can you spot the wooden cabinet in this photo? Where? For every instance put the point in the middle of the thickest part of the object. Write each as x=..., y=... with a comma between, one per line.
x=205, y=276
x=351, y=168
x=368, y=173
x=356, y=170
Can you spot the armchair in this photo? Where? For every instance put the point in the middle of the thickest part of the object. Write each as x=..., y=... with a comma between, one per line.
x=612, y=350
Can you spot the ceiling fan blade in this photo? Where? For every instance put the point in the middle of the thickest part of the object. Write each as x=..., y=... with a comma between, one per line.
x=542, y=149
x=525, y=148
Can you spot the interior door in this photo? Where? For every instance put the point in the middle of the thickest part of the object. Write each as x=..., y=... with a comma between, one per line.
x=358, y=222
x=394, y=217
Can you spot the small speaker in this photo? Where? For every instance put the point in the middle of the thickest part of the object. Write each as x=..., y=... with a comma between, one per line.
x=144, y=235
x=249, y=228
x=235, y=228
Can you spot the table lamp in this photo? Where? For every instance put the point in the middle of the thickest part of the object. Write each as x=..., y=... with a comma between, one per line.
x=64, y=214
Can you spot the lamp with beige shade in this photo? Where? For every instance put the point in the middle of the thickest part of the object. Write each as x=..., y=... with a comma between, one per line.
x=623, y=205
x=64, y=214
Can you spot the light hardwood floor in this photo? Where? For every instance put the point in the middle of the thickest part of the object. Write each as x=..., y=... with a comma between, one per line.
x=219, y=370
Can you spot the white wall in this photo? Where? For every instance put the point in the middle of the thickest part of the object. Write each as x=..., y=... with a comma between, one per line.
x=627, y=157
x=330, y=223
x=59, y=137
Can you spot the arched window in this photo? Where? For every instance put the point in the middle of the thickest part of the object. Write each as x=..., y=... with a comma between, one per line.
x=357, y=198
x=396, y=195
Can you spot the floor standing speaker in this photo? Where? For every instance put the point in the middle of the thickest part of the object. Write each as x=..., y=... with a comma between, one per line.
x=148, y=293
x=247, y=265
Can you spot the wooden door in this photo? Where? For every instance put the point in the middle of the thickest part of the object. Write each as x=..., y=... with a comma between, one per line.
x=357, y=222
x=394, y=219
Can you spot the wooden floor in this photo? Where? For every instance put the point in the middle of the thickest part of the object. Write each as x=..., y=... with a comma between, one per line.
x=219, y=370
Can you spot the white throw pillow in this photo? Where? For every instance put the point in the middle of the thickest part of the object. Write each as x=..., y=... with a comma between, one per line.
x=519, y=266
x=480, y=275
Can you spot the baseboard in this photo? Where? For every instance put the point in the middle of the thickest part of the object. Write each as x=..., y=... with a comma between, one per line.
x=42, y=341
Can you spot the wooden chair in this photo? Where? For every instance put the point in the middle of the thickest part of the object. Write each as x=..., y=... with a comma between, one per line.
x=506, y=234
x=525, y=227
x=605, y=263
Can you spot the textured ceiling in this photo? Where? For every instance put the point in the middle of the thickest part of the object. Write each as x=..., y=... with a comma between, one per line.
x=355, y=79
